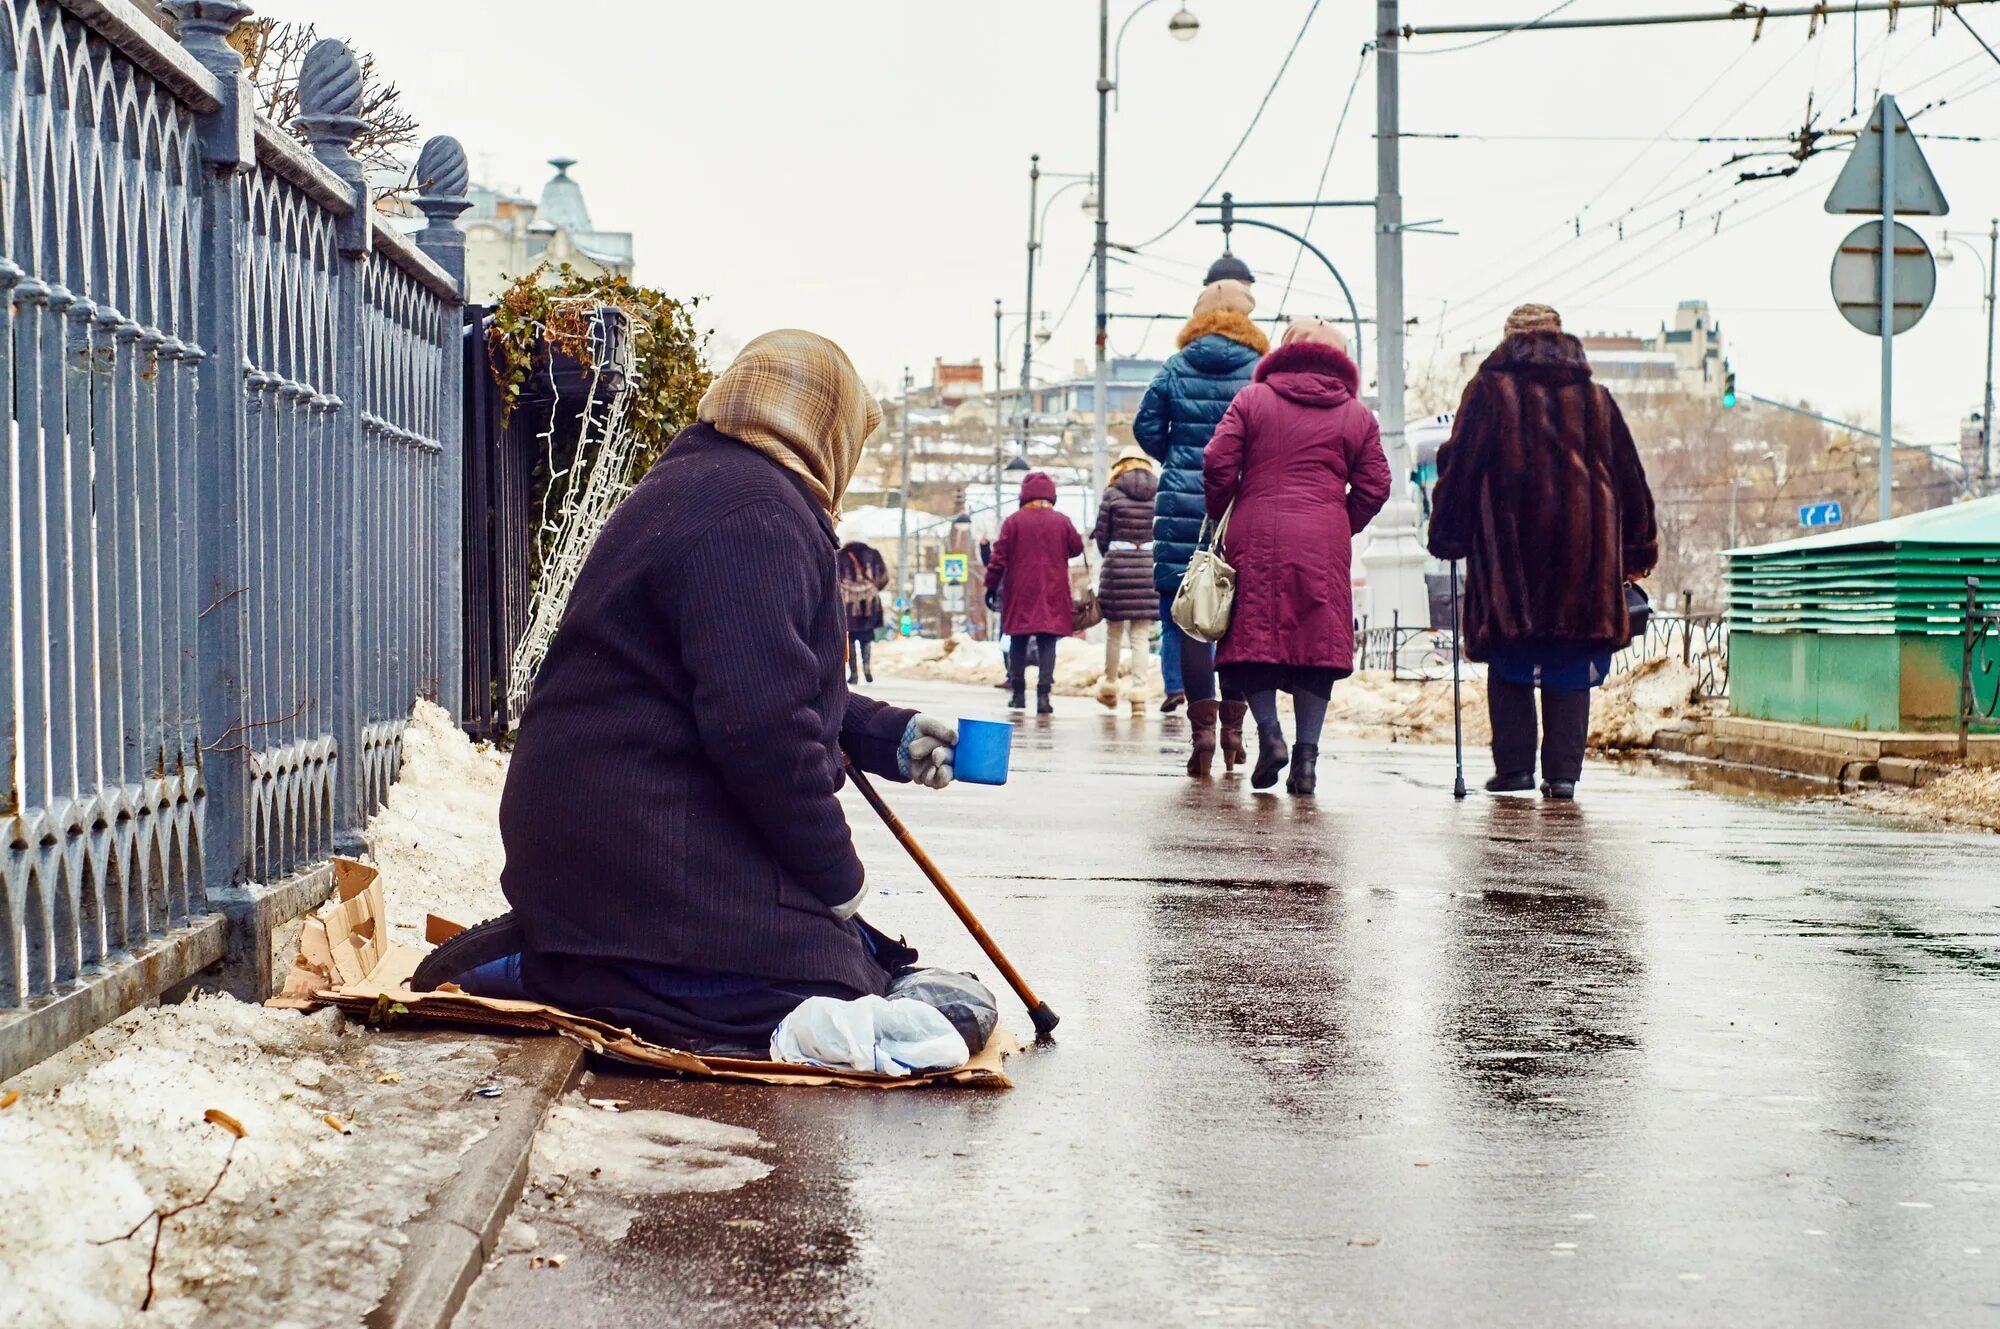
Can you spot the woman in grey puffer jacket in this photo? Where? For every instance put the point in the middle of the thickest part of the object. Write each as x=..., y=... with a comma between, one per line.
x=1124, y=536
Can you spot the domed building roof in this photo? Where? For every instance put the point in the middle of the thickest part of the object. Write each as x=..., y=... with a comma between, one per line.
x=562, y=199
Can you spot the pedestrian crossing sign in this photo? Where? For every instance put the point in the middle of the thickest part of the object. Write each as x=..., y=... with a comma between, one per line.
x=953, y=569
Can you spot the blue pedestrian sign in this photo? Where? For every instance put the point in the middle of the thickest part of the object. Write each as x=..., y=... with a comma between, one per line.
x=1819, y=514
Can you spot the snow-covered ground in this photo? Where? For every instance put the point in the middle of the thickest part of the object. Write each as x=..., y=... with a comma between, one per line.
x=346, y=1131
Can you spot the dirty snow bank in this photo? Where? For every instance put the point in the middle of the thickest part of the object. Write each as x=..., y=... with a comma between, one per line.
x=1627, y=712
x=437, y=839
x=1632, y=707
x=1969, y=796
x=963, y=659
x=304, y=1228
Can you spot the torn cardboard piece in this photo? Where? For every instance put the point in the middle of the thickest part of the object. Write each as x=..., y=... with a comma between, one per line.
x=345, y=959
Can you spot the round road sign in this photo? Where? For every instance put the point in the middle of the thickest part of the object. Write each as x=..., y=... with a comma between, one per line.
x=1857, y=271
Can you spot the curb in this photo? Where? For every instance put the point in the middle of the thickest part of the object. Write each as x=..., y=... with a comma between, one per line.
x=450, y=1242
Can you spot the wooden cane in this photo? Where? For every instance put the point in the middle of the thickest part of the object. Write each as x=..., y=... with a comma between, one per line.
x=1045, y=1020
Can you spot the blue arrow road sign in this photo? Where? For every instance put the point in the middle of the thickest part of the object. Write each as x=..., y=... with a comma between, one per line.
x=1819, y=514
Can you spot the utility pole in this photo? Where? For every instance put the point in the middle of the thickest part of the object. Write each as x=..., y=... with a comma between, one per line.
x=903, y=512
x=1986, y=416
x=1099, y=447
x=1395, y=556
x=1028, y=338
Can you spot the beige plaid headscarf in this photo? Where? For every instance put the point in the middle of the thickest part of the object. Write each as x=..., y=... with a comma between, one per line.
x=795, y=397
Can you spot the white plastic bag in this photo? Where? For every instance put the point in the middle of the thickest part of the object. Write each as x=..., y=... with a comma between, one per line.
x=868, y=1034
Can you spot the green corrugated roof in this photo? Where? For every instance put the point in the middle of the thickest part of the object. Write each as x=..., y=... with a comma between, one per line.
x=1906, y=575
x=1974, y=523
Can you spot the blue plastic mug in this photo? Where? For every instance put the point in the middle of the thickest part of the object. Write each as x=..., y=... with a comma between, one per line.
x=983, y=748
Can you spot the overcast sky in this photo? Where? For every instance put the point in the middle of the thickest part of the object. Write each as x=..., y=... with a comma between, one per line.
x=858, y=167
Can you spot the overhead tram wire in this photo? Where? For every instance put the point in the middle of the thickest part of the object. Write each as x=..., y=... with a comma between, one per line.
x=1319, y=189
x=1483, y=41
x=1248, y=130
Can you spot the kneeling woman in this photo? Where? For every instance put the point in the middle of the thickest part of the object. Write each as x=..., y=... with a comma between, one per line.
x=677, y=858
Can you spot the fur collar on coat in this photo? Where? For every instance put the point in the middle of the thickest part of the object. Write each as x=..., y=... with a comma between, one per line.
x=1552, y=357
x=1225, y=323
x=1316, y=358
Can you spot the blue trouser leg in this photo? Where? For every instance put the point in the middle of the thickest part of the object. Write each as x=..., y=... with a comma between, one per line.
x=1170, y=647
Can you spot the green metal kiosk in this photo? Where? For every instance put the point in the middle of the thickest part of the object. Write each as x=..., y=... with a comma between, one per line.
x=1864, y=628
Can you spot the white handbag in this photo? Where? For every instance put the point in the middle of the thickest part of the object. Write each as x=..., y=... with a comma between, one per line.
x=1208, y=587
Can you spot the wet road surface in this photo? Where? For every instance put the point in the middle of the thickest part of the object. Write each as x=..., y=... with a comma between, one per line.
x=1662, y=1057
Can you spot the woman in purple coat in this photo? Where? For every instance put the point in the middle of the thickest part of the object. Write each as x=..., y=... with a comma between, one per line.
x=1300, y=458
x=1030, y=568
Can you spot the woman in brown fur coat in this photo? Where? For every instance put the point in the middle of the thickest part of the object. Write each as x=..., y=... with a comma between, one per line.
x=1540, y=490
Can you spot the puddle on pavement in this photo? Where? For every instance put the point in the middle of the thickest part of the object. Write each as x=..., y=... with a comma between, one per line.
x=1712, y=777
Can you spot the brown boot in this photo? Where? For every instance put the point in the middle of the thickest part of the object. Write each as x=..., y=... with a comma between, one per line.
x=1201, y=716
x=1233, y=754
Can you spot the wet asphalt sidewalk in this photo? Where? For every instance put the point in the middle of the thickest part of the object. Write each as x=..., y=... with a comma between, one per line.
x=1662, y=1057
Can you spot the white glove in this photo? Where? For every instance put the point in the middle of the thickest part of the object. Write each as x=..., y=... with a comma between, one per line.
x=930, y=749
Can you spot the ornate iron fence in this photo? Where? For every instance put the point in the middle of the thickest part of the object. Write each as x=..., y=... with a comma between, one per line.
x=1979, y=667
x=229, y=526
x=1699, y=641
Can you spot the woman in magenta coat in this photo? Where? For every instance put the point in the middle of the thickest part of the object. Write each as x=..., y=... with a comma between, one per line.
x=1301, y=459
x=1030, y=566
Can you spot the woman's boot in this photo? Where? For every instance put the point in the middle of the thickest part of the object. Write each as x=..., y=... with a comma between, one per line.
x=1305, y=775
x=1043, y=706
x=1233, y=754
x=1270, y=758
x=1201, y=717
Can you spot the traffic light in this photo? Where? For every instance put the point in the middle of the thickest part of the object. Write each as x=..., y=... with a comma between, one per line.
x=1728, y=389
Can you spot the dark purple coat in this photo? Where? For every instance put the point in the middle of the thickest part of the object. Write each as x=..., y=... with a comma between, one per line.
x=1030, y=564
x=673, y=796
x=1302, y=458
x=1125, y=518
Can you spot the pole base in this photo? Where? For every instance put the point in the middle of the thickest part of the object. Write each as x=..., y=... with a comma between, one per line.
x=1458, y=787
x=1045, y=1020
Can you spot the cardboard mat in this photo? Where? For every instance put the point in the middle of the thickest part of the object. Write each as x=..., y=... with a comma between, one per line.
x=346, y=959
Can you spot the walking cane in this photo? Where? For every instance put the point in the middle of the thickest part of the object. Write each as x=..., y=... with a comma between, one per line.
x=1457, y=724
x=1045, y=1020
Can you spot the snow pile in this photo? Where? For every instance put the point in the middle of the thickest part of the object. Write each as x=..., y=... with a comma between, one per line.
x=1968, y=796
x=437, y=839
x=304, y=1227
x=1634, y=706
x=963, y=659
x=1371, y=705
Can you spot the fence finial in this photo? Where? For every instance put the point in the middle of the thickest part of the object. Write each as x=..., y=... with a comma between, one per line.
x=330, y=100
x=442, y=179
x=206, y=24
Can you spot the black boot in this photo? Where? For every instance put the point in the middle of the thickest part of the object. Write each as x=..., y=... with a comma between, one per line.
x=1017, y=700
x=1512, y=782
x=1304, y=778
x=1043, y=706
x=1270, y=758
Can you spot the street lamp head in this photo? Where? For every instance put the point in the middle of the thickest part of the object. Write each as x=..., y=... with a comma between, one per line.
x=1017, y=465
x=1229, y=268
x=1090, y=201
x=1184, y=25
x=1943, y=252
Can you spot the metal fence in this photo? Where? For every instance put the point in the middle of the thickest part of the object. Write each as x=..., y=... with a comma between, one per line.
x=230, y=519
x=1699, y=641
x=1978, y=668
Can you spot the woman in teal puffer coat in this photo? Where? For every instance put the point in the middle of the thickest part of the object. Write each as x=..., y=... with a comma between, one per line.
x=1219, y=349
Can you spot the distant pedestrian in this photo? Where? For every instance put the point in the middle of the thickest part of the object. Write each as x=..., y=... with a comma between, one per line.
x=1219, y=347
x=1124, y=535
x=863, y=574
x=1300, y=458
x=1541, y=491
x=1030, y=566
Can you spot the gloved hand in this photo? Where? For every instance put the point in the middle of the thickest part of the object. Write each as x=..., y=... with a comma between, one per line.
x=928, y=752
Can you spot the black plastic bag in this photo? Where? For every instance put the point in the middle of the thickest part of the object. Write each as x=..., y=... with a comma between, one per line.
x=961, y=998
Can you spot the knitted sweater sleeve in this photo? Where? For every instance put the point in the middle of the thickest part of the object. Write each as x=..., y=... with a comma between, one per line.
x=745, y=630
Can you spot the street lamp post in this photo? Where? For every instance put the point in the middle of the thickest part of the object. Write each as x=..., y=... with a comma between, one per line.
x=903, y=509
x=1989, y=269
x=1038, y=226
x=1183, y=26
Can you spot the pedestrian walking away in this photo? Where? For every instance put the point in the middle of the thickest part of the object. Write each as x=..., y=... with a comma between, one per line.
x=1030, y=568
x=1541, y=491
x=1124, y=536
x=677, y=860
x=863, y=576
x=1219, y=349
x=1296, y=464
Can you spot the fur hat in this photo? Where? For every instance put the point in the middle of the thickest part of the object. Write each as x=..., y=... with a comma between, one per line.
x=1313, y=330
x=1231, y=297
x=1131, y=457
x=1533, y=318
